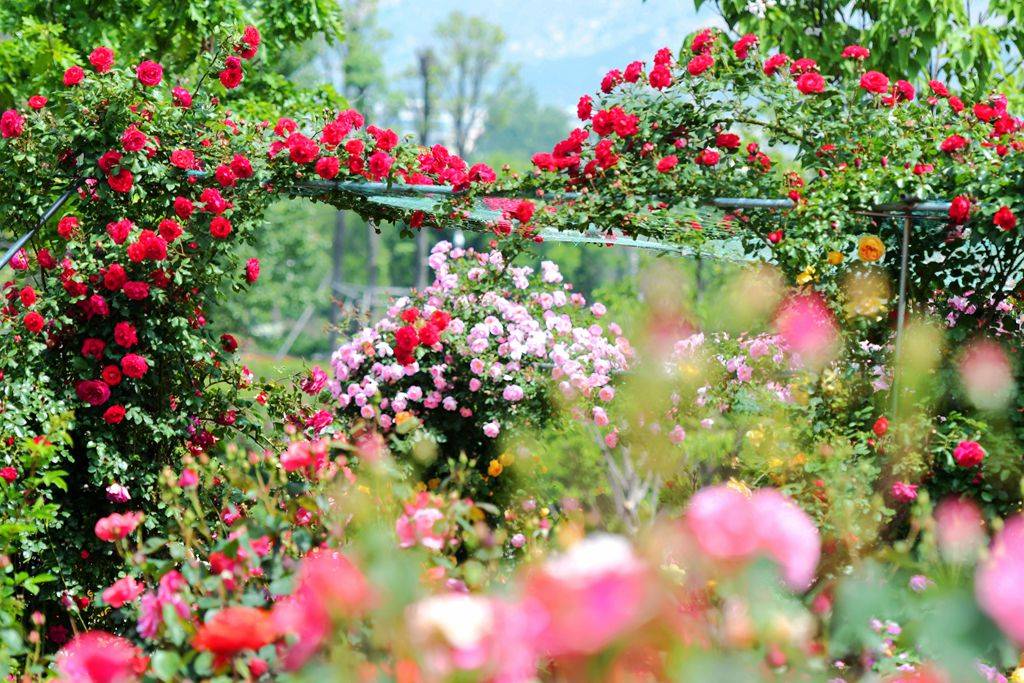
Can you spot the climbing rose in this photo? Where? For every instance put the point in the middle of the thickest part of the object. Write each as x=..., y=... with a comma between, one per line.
x=875, y=81
x=149, y=73
x=99, y=657
x=11, y=124
x=122, y=592
x=116, y=526
x=742, y=47
x=73, y=76
x=93, y=392
x=584, y=108
x=700, y=64
x=904, y=492
x=133, y=139
x=37, y=102
x=666, y=164
x=708, y=157
x=1005, y=218
x=182, y=97
x=327, y=167
x=234, y=629
x=809, y=83
x=125, y=335
x=856, y=52
x=968, y=454
x=252, y=270
x=953, y=143
x=8, y=474
x=121, y=181
x=220, y=227
x=113, y=415
x=33, y=322
x=102, y=59
x=881, y=427
x=960, y=209
x=661, y=77
x=134, y=366
x=774, y=63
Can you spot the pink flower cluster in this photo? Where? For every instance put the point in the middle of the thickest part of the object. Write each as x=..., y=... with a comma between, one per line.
x=509, y=333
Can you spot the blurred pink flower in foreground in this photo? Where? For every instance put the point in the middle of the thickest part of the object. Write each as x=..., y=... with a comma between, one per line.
x=986, y=375
x=419, y=524
x=959, y=529
x=732, y=527
x=591, y=594
x=1000, y=579
x=99, y=657
x=808, y=327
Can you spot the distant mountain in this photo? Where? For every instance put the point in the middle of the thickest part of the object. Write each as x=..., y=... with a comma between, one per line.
x=564, y=46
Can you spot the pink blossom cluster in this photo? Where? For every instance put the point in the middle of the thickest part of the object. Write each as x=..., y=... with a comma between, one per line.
x=512, y=332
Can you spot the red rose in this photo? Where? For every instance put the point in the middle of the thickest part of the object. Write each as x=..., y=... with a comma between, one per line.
x=523, y=211
x=301, y=149
x=11, y=124
x=111, y=375
x=228, y=343
x=213, y=201
x=93, y=392
x=252, y=270
x=136, y=291
x=231, y=78
x=27, y=296
x=610, y=80
x=667, y=163
x=939, y=88
x=741, y=48
x=33, y=322
x=380, y=165
x=134, y=366
x=102, y=59
x=8, y=474
x=700, y=64
x=1005, y=218
x=224, y=176
x=440, y=320
x=660, y=77
x=703, y=41
x=241, y=166
x=183, y=208
x=881, y=427
x=66, y=226
x=133, y=139
x=184, y=158
x=429, y=335
x=774, y=63
x=327, y=167
x=968, y=454
x=775, y=236
x=220, y=227
x=810, y=83
x=182, y=98
x=114, y=277
x=149, y=245
x=37, y=102
x=584, y=108
x=114, y=414
x=149, y=73
x=109, y=160
x=73, y=76
x=45, y=259
x=856, y=52
x=727, y=141
x=125, y=335
x=120, y=230
x=406, y=337
x=121, y=181
x=960, y=209
x=169, y=230
x=93, y=348
x=875, y=81
x=708, y=157
x=953, y=143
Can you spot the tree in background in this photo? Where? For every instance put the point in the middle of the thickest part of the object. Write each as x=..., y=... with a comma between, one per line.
x=972, y=43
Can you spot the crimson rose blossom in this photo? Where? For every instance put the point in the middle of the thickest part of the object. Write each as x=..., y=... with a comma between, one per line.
x=1005, y=219
x=252, y=270
x=181, y=97
x=93, y=392
x=960, y=209
x=810, y=83
x=700, y=64
x=102, y=59
x=11, y=124
x=33, y=322
x=73, y=76
x=114, y=414
x=953, y=143
x=37, y=102
x=875, y=82
x=667, y=163
x=856, y=52
x=121, y=181
x=134, y=366
x=220, y=227
x=968, y=454
x=149, y=73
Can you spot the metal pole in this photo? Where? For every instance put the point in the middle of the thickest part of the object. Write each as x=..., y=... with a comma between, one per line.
x=23, y=240
x=901, y=312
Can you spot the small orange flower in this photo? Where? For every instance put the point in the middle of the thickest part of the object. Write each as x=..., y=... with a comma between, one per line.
x=870, y=249
x=234, y=629
x=835, y=258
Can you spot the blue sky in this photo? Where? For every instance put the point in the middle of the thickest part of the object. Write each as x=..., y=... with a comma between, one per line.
x=563, y=46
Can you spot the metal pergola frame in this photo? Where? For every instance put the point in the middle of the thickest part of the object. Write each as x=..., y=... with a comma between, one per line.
x=389, y=194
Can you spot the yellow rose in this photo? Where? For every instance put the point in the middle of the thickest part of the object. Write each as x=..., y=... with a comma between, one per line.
x=870, y=249
x=806, y=276
x=507, y=459
x=835, y=258
x=495, y=468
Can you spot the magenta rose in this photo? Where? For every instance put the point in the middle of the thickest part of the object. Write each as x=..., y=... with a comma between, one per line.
x=92, y=391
